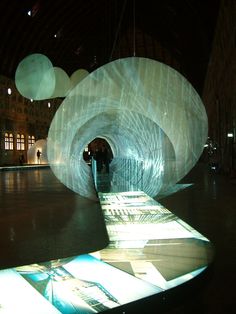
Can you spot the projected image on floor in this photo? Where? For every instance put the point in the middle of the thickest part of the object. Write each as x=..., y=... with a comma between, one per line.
x=150, y=251
x=82, y=284
x=150, y=242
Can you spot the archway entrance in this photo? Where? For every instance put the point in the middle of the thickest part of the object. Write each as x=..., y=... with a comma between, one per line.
x=98, y=155
x=100, y=150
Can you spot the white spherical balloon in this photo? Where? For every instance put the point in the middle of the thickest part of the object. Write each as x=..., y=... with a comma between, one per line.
x=35, y=77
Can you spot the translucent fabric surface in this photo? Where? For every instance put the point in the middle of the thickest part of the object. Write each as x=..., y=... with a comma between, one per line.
x=62, y=83
x=146, y=111
x=78, y=76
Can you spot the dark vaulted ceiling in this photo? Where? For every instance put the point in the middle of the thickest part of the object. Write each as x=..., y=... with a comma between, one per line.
x=89, y=33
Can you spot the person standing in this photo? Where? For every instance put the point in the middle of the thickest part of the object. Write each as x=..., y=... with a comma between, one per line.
x=38, y=155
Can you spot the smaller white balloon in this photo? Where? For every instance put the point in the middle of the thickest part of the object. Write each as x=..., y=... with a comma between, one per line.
x=78, y=76
x=63, y=84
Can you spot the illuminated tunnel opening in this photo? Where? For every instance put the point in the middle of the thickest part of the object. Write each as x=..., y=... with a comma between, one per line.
x=100, y=150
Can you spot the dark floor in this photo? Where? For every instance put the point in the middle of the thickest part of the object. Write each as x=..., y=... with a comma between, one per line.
x=40, y=219
x=210, y=207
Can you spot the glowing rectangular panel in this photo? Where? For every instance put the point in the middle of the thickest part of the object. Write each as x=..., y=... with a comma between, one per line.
x=83, y=284
x=150, y=242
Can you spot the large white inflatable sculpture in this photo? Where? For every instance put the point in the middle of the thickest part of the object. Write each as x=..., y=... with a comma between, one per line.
x=149, y=114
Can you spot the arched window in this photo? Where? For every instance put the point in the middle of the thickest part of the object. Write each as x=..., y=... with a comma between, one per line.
x=31, y=141
x=20, y=142
x=9, y=141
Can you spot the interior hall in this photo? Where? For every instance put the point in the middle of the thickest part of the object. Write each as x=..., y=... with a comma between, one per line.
x=41, y=219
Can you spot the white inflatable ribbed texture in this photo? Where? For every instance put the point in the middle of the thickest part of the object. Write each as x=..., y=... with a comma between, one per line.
x=148, y=113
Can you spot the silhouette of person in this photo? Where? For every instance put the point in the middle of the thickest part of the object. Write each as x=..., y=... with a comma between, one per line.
x=105, y=158
x=38, y=156
x=99, y=158
x=21, y=159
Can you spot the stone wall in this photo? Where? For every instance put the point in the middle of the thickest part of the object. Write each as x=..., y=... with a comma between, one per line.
x=19, y=115
x=219, y=94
